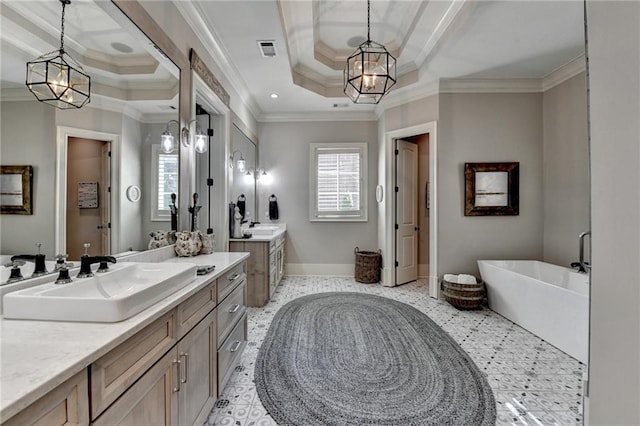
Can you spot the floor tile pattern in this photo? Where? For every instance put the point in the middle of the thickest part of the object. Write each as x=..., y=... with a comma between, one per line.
x=533, y=382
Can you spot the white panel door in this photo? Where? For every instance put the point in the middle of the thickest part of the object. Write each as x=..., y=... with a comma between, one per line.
x=406, y=212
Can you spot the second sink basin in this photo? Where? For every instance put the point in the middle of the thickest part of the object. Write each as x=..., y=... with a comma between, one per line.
x=264, y=229
x=125, y=290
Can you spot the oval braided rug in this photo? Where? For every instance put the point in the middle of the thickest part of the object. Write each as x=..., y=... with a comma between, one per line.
x=359, y=359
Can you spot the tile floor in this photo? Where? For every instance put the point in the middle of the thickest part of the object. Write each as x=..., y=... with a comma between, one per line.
x=533, y=382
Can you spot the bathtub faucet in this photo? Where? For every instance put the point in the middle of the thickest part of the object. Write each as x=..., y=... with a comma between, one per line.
x=582, y=265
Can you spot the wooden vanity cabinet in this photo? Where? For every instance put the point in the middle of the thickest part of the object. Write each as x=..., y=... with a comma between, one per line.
x=265, y=267
x=68, y=404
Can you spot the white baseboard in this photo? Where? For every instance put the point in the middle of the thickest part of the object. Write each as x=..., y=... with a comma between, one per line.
x=337, y=269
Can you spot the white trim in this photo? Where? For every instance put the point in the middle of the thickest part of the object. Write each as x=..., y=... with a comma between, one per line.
x=338, y=115
x=406, y=95
x=475, y=85
x=336, y=269
x=362, y=149
x=208, y=37
x=388, y=278
x=564, y=73
x=63, y=134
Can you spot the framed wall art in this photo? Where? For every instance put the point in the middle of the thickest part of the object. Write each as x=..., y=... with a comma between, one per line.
x=492, y=189
x=15, y=189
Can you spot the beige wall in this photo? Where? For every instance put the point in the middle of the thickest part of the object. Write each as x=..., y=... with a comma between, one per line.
x=614, y=58
x=565, y=169
x=488, y=128
x=284, y=152
x=28, y=137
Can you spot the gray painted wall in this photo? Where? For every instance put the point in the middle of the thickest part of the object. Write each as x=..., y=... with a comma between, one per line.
x=488, y=128
x=284, y=152
x=565, y=169
x=614, y=58
x=28, y=137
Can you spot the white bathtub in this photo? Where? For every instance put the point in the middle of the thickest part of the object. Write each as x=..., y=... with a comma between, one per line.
x=550, y=301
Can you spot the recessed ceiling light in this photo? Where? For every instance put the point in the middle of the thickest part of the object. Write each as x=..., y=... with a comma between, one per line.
x=274, y=96
x=121, y=47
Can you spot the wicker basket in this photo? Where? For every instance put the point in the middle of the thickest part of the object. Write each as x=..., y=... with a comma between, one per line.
x=368, y=265
x=464, y=296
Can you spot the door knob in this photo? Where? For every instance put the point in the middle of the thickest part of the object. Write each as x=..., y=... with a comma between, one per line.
x=417, y=228
x=101, y=227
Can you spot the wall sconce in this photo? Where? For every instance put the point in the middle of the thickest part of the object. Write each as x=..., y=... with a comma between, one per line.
x=201, y=143
x=257, y=174
x=167, y=141
x=57, y=79
x=240, y=163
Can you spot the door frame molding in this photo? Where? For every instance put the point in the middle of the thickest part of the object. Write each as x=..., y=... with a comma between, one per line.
x=389, y=276
x=63, y=134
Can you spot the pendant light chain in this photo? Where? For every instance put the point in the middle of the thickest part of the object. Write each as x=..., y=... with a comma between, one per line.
x=64, y=4
x=368, y=20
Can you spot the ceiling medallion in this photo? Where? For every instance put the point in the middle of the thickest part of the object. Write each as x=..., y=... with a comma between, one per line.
x=370, y=71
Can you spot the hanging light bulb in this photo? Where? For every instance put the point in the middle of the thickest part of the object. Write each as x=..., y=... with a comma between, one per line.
x=57, y=79
x=167, y=140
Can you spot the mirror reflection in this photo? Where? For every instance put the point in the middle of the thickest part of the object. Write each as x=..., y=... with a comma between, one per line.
x=100, y=175
x=242, y=181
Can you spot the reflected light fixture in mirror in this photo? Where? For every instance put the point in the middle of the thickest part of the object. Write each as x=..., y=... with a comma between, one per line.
x=167, y=140
x=240, y=163
x=200, y=139
x=57, y=79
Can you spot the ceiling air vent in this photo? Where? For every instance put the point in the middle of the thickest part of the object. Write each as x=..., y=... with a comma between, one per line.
x=267, y=48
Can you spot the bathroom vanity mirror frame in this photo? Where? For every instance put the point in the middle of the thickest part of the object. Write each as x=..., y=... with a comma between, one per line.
x=492, y=189
x=210, y=96
x=251, y=168
x=22, y=178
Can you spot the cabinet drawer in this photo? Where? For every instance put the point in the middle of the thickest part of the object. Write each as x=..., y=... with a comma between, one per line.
x=228, y=281
x=192, y=310
x=68, y=404
x=229, y=310
x=112, y=374
x=230, y=351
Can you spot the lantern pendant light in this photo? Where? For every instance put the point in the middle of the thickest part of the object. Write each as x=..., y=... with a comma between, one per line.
x=57, y=79
x=370, y=71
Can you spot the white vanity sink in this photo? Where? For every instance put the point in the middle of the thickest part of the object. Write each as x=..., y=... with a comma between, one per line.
x=126, y=289
x=264, y=229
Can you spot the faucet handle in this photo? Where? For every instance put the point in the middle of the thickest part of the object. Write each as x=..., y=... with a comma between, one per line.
x=61, y=261
x=14, y=264
x=16, y=274
x=39, y=245
x=86, y=248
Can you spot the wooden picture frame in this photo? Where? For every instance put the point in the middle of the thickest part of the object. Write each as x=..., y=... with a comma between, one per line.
x=16, y=189
x=492, y=189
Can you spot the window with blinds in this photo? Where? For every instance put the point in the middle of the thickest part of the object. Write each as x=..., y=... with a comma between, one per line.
x=337, y=183
x=165, y=182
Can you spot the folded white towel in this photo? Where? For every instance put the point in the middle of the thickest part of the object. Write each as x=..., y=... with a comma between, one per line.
x=467, y=279
x=451, y=278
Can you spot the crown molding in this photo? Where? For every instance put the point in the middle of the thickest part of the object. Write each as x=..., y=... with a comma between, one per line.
x=564, y=73
x=208, y=37
x=319, y=116
x=406, y=95
x=474, y=85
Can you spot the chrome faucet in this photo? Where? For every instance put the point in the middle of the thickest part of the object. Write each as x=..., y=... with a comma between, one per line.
x=582, y=265
x=86, y=261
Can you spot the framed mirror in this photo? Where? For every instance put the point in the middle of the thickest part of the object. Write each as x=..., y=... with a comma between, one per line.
x=243, y=170
x=135, y=93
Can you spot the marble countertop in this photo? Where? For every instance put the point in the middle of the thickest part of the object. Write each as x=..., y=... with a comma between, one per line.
x=37, y=356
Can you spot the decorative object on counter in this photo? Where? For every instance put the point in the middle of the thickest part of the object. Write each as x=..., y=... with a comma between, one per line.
x=463, y=291
x=208, y=242
x=368, y=264
x=174, y=212
x=241, y=204
x=273, y=207
x=492, y=189
x=15, y=185
x=305, y=374
x=161, y=239
x=237, y=223
x=205, y=269
x=193, y=211
x=188, y=243
x=57, y=79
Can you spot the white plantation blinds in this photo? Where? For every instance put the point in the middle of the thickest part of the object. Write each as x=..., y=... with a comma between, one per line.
x=338, y=181
x=165, y=182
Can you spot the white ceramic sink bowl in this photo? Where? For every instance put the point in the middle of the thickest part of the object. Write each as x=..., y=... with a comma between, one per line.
x=125, y=290
x=264, y=229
